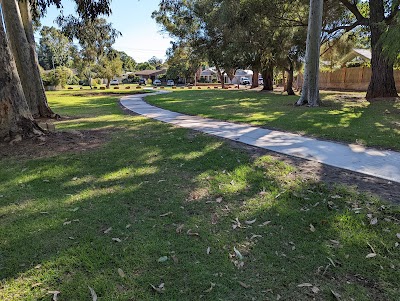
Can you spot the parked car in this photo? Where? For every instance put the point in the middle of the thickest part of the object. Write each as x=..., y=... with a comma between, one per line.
x=114, y=82
x=170, y=82
x=244, y=81
x=261, y=81
x=142, y=81
x=157, y=82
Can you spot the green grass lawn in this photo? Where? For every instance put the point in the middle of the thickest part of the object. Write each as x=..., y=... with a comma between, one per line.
x=186, y=213
x=343, y=117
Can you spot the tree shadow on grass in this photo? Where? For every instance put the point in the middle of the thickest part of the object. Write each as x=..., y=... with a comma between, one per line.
x=151, y=179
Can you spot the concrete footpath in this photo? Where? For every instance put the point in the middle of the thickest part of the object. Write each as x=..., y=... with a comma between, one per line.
x=368, y=161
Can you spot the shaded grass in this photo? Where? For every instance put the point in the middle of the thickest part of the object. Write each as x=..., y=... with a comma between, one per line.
x=345, y=117
x=54, y=212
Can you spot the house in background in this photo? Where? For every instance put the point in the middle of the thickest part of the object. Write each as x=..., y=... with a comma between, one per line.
x=150, y=74
x=210, y=75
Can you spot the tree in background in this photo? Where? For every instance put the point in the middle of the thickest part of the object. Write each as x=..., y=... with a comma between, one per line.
x=109, y=66
x=22, y=93
x=54, y=48
x=128, y=63
x=156, y=62
x=145, y=66
x=96, y=37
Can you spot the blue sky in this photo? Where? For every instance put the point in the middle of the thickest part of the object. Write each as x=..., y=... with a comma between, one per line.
x=141, y=37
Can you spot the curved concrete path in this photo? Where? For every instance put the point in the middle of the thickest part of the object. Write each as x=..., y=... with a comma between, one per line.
x=377, y=163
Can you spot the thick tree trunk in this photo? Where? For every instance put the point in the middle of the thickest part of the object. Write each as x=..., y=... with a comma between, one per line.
x=254, y=83
x=382, y=82
x=108, y=83
x=289, y=84
x=268, y=77
x=220, y=75
x=15, y=117
x=310, y=90
x=20, y=36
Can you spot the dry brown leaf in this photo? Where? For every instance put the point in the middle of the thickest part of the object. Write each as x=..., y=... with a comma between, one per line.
x=175, y=259
x=128, y=226
x=211, y=288
x=67, y=223
x=208, y=250
x=214, y=219
x=55, y=294
x=36, y=284
x=312, y=228
x=165, y=214
x=38, y=266
x=370, y=255
x=93, y=293
x=336, y=295
x=107, y=230
x=219, y=200
x=305, y=285
x=264, y=224
x=315, y=290
x=190, y=233
x=255, y=236
x=180, y=228
x=336, y=196
x=242, y=284
x=398, y=235
x=373, y=221
x=121, y=273
x=116, y=239
x=250, y=222
x=160, y=289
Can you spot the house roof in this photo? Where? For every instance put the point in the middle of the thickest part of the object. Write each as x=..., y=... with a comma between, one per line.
x=355, y=52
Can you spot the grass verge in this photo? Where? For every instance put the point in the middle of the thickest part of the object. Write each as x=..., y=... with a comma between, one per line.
x=164, y=213
x=345, y=117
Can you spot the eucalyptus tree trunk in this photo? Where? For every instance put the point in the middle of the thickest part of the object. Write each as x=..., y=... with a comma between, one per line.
x=15, y=117
x=220, y=75
x=310, y=90
x=382, y=82
x=22, y=44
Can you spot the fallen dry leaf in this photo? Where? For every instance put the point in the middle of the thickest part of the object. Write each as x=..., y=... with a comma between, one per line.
x=211, y=288
x=251, y=222
x=373, y=221
x=116, y=239
x=305, y=285
x=255, y=236
x=67, y=223
x=238, y=254
x=312, y=228
x=242, y=284
x=165, y=214
x=336, y=295
x=160, y=289
x=55, y=294
x=208, y=250
x=190, y=233
x=315, y=290
x=370, y=255
x=175, y=259
x=121, y=273
x=214, y=219
x=219, y=200
x=180, y=228
x=74, y=210
x=36, y=284
x=264, y=224
x=107, y=230
x=162, y=259
x=128, y=226
x=93, y=293
x=398, y=235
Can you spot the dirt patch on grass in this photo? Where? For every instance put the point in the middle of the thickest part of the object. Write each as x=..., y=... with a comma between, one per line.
x=54, y=144
x=330, y=175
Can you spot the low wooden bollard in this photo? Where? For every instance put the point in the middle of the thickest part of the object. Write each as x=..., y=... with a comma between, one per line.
x=70, y=88
x=128, y=87
x=116, y=88
x=162, y=87
x=102, y=88
x=138, y=87
x=190, y=88
x=215, y=87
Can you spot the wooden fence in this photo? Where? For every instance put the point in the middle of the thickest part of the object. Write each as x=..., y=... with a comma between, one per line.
x=350, y=79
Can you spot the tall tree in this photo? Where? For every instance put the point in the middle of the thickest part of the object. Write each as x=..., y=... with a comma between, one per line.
x=310, y=90
x=21, y=65
x=54, y=48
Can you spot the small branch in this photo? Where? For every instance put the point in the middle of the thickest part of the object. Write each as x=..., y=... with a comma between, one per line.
x=346, y=28
x=353, y=8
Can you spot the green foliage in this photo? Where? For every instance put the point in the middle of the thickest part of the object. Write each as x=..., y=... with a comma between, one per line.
x=61, y=76
x=54, y=48
x=145, y=66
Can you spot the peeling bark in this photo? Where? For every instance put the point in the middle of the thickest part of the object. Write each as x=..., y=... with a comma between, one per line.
x=22, y=44
x=15, y=117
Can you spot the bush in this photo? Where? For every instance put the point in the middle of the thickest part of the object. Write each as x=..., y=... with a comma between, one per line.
x=149, y=81
x=58, y=77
